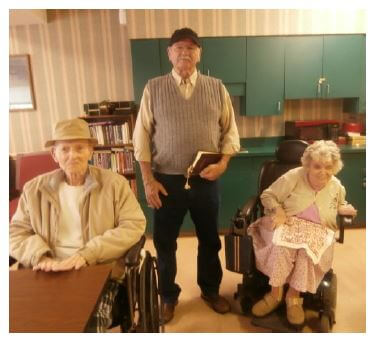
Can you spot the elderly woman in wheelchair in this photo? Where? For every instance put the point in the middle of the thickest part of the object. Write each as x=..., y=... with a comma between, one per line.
x=293, y=242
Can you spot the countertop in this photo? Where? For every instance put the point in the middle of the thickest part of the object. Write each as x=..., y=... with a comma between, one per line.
x=266, y=146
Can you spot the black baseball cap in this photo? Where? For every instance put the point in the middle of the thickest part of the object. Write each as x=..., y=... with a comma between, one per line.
x=184, y=33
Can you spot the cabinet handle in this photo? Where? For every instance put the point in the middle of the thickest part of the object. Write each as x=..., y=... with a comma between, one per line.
x=318, y=89
x=278, y=106
x=328, y=89
x=208, y=72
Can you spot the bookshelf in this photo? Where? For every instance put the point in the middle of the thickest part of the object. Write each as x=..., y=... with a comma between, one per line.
x=114, y=149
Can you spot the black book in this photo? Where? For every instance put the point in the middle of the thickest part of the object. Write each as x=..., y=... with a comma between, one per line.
x=202, y=160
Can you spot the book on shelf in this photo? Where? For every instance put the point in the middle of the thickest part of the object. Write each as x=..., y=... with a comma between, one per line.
x=109, y=133
x=119, y=160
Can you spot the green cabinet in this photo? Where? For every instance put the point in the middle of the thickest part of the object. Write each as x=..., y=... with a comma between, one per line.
x=303, y=66
x=329, y=66
x=265, y=76
x=342, y=66
x=353, y=178
x=225, y=58
x=166, y=65
x=146, y=64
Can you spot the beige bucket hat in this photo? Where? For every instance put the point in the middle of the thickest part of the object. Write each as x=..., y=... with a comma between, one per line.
x=71, y=129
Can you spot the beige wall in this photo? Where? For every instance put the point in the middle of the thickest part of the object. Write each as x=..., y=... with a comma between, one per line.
x=82, y=56
x=230, y=22
x=79, y=56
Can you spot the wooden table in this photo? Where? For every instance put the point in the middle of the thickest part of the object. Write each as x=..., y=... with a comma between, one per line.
x=54, y=301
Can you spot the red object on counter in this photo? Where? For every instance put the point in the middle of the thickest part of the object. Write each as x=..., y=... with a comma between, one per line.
x=352, y=127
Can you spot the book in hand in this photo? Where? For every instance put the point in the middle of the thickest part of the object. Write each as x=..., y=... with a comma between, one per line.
x=201, y=161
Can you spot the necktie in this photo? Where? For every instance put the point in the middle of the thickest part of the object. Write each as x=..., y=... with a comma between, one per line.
x=185, y=87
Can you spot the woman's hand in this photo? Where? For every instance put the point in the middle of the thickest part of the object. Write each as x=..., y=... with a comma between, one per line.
x=279, y=217
x=347, y=210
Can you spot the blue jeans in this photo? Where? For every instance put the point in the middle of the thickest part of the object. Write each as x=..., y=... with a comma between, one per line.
x=202, y=200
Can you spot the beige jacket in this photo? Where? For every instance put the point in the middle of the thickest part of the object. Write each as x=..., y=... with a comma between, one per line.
x=112, y=220
x=294, y=194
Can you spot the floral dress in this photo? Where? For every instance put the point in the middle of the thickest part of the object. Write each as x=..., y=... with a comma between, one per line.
x=300, y=259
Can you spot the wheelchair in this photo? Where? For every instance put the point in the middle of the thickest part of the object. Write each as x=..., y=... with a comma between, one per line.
x=138, y=307
x=240, y=257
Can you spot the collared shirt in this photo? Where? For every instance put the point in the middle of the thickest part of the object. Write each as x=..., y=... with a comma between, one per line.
x=144, y=123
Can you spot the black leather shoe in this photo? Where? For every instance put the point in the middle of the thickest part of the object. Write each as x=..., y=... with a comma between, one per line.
x=218, y=303
x=168, y=312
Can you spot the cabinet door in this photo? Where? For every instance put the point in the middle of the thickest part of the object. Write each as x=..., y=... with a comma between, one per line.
x=166, y=65
x=342, y=65
x=353, y=178
x=225, y=58
x=145, y=64
x=265, y=75
x=303, y=66
x=362, y=98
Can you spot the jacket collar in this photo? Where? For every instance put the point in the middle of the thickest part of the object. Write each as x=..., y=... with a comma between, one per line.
x=51, y=184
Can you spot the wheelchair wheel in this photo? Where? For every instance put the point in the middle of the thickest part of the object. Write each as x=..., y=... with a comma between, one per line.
x=324, y=323
x=149, y=296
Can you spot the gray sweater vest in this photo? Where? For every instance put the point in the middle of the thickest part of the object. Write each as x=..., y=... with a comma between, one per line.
x=184, y=126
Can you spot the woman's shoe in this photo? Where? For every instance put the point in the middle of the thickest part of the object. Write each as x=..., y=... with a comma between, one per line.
x=294, y=310
x=266, y=305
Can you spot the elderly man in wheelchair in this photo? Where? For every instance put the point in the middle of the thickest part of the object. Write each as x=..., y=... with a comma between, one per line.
x=81, y=215
x=293, y=242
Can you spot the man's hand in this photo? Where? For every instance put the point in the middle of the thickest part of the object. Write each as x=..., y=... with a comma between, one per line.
x=75, y=261
x=46, y=264
x=213, y=171
x=152, y=190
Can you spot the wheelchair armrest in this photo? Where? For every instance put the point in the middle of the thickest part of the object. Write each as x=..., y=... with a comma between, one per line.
x=244, y=216
x=343, y=221
x=250, y=208
x=132, y=256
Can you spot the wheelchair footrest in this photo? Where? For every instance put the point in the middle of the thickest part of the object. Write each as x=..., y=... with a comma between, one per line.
x=276, y=321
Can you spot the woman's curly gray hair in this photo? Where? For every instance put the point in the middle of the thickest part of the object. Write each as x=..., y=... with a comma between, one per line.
x=323, y=151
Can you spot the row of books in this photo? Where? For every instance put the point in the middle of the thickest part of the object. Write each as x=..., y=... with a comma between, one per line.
x=119, y=160
x=108, y=133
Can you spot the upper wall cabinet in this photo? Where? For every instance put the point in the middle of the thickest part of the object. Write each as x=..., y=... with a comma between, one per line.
x=265, y=76
x=303, y=66
x=342, y=66
x=146, y=64
x=327, y=66
x=225, y=58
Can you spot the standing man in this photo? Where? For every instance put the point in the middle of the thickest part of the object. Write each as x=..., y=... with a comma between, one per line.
x=181, y=113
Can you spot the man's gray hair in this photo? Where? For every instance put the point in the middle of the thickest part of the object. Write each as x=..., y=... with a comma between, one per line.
x=323, y=151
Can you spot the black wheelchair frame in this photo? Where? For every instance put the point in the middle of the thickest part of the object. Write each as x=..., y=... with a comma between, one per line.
x=138, y=306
